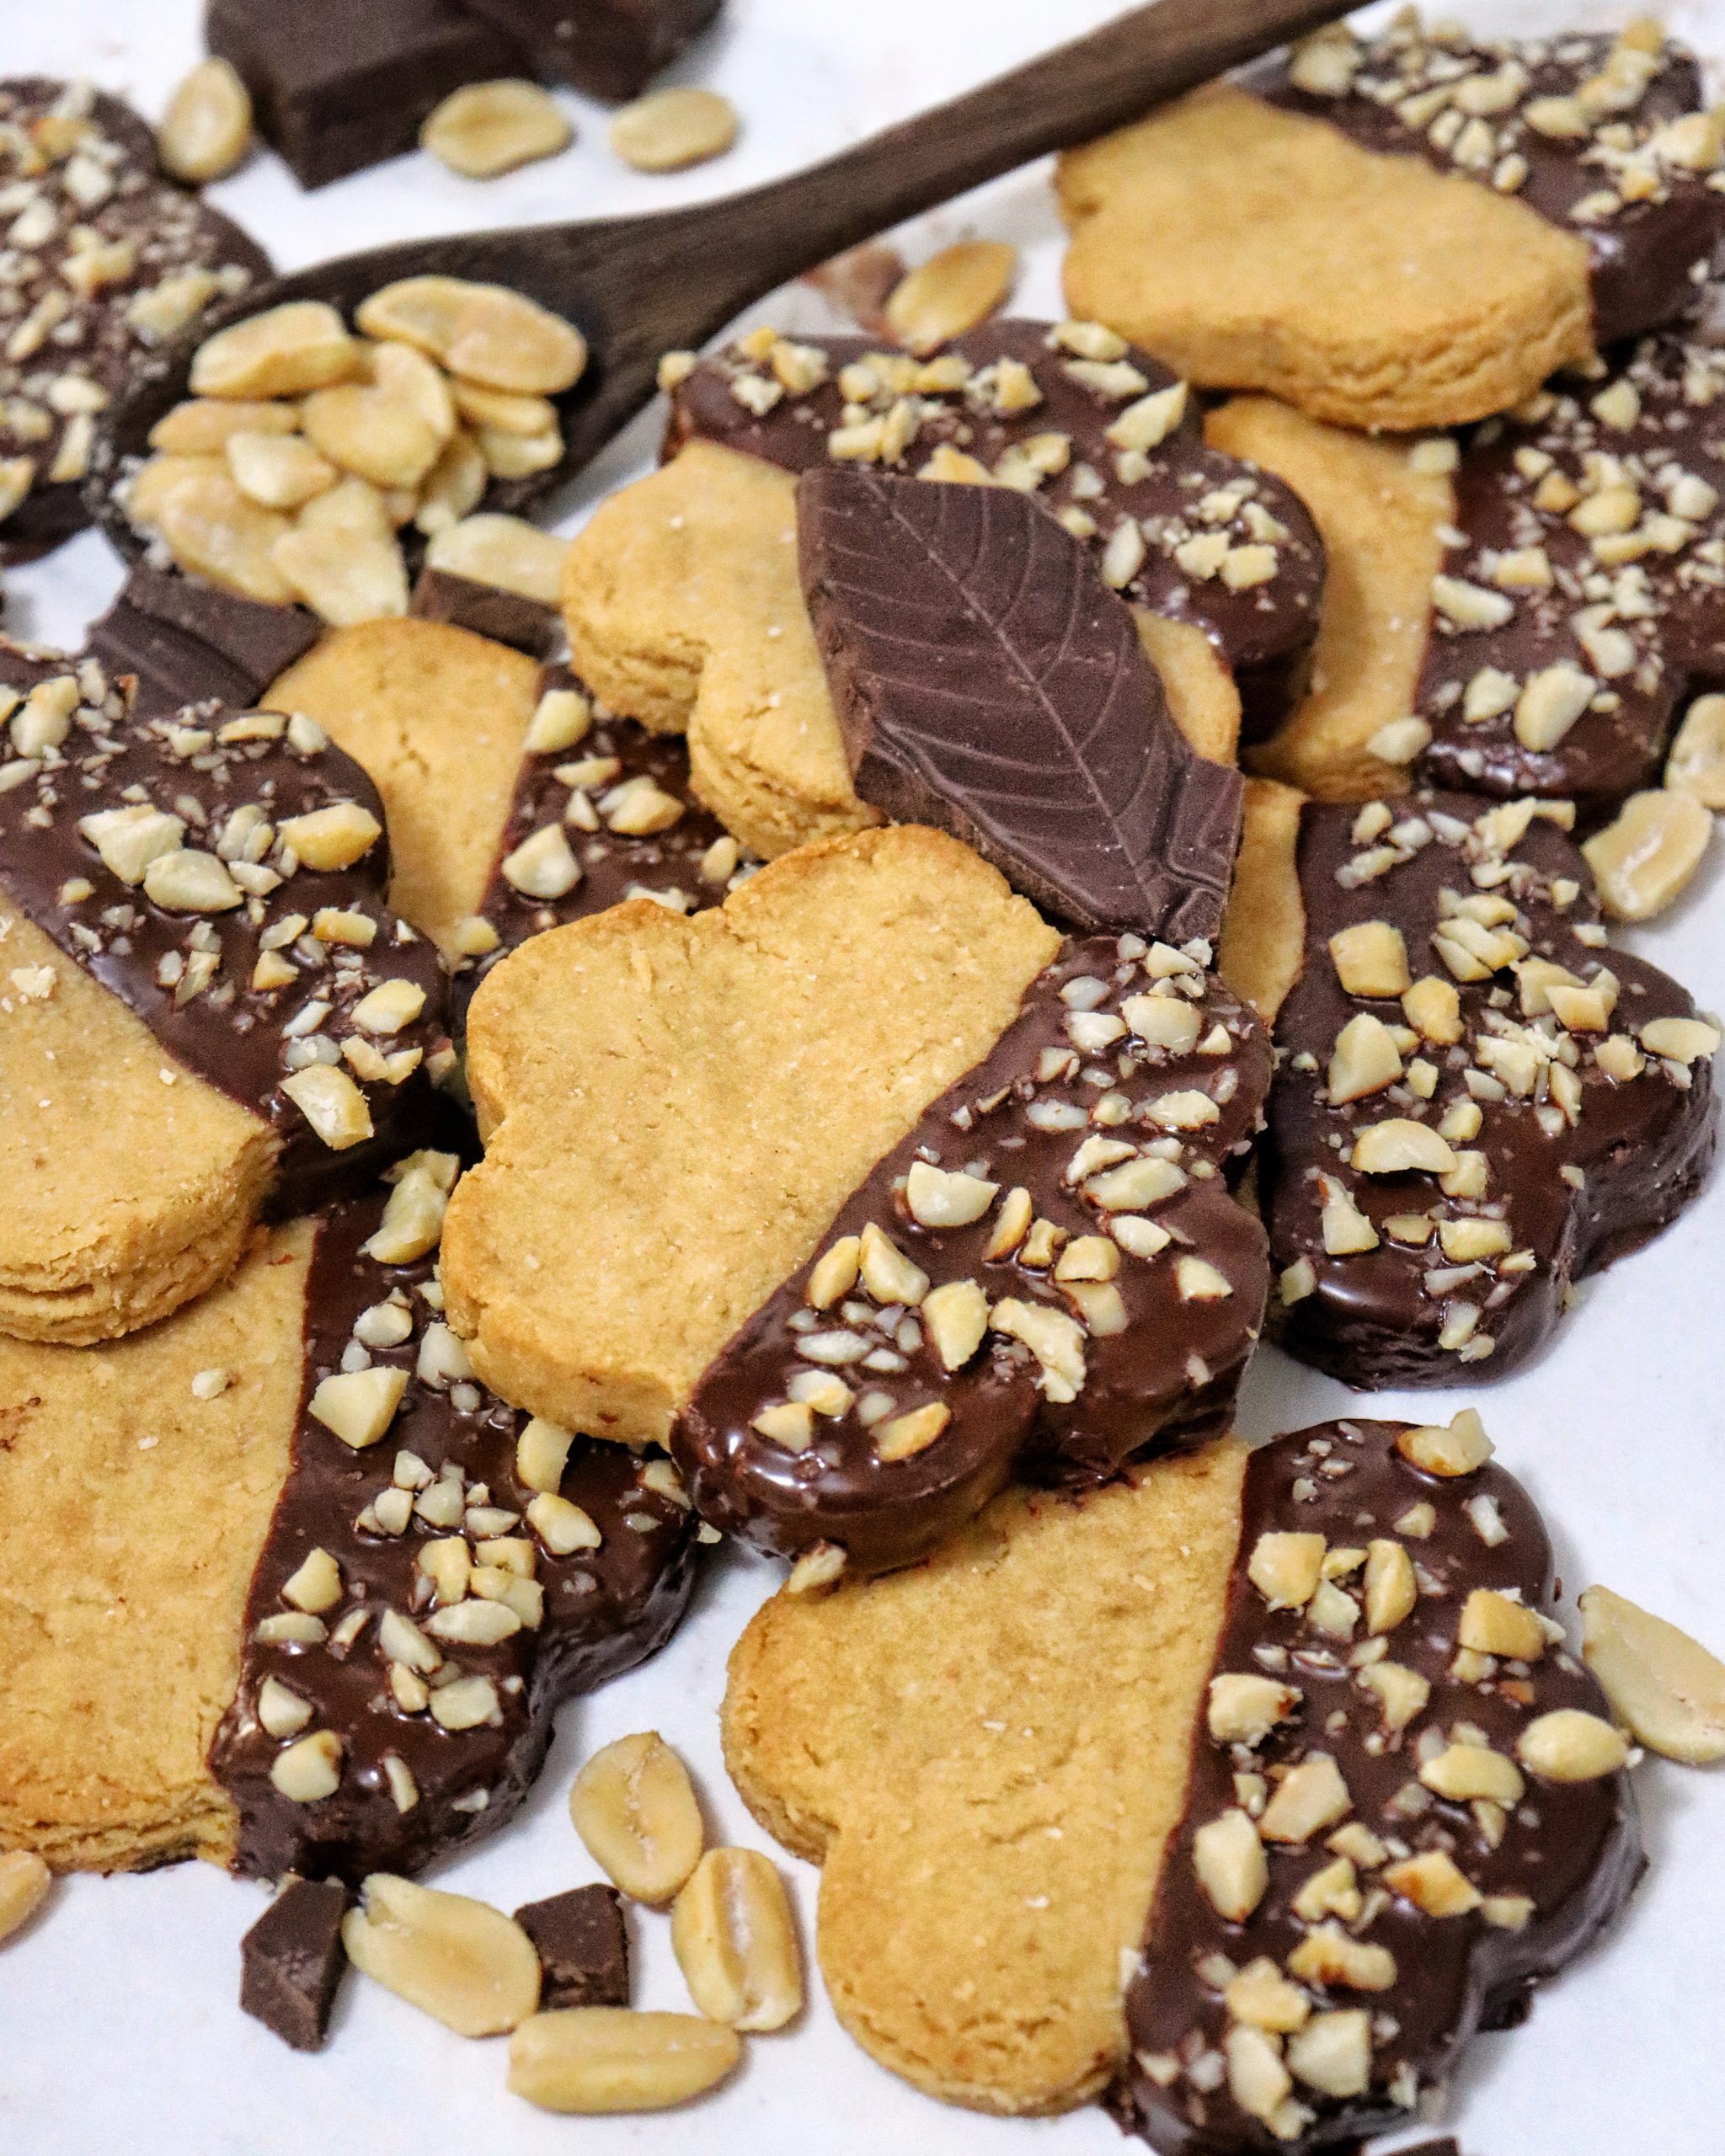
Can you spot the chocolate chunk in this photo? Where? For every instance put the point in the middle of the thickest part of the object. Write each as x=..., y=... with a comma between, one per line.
x=609, y=48
x=186, y=641
x=1594, y=522
x=582, y=1946
x=1123, y=1296
x=291, y=1960
x=188, y=966
x=985, y=681
x=1565, y=1123
x=689, y=863
x=1028, y=408
x=415, y=1783
x=337, y=86
x=505, y=616
x=1381, y=1944
x=1645, y=249
x=76, y=325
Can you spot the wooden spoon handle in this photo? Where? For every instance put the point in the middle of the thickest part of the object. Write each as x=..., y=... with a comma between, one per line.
x=1069, y=95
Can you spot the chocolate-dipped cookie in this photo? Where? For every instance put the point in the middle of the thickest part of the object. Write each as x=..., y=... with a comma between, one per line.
x=323, y=1593
x=109, y=258
x=1477, y=1100
x=1524, y=609
x=210, y=1008
x=1252, y=1785
x=1046, y=1275
x=1407, y=1807
x=1221, y=564
x=1484, y=212
x=516, y=803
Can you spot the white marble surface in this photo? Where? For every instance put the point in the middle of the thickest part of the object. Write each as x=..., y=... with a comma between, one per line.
x=118, y=2026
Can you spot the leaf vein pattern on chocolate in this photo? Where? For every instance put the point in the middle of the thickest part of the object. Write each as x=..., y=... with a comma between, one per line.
x=987, y=680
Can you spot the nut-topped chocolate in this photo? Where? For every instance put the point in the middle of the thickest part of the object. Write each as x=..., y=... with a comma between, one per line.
x=1047, y=1274
x=1477, y=1100
x=1581, y=599
x=107, y=259
x=1605, y=137
x=439, y=1574
x=1107, y=439
x=222, y=873
x=1406, y=1803
x=602, y=812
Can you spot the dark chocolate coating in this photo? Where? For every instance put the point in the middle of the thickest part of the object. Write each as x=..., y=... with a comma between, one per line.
x=613, y=865
x=1641, y=1146
x=1168, y=1378
x=1643, y=257
x=291, y=1960
x=583, y=1945
x=185, y=642
x=1670, y=604
x=172, y=231
x=1573, y=1849
x=987, y=680
x=231, y=1035
x=605, y=1608
x=1263, y=633
x=505, y=616
x=337, y=85
x=609, y=48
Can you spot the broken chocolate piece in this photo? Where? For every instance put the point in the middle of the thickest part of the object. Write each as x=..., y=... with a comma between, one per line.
x=172, y=870
x=186, y=641
x=583, y=1945
x=1586, y=600
x=1048, y=1275
x=292, y=1961
x=489, y=610
x=1194, y=539
x=609, y=48
x=1374, y=1859
x=337, y=86
x=1477, y=1100
x=987, y=681
x=1557, y=123
x=440, y=1720
x=107, y=259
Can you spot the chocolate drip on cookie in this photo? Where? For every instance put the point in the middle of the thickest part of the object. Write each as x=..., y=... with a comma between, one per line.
x=1607, y=139
x=1476, y=1102
x=222, y=873
x=1582, y=601
x=1107, y=439
x=418, y=1611
x=1406, y=1808
x=108, y=261
x=602, y=812
x=1047, y=1274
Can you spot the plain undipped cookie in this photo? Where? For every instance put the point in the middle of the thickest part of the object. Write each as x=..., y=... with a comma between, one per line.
x=674, y=1109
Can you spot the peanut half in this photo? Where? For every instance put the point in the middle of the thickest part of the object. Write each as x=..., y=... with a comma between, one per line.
x=736, y=1942
x=461, y=1961
x=1665, y=1685
x=608, y=2058
x=633, y=1806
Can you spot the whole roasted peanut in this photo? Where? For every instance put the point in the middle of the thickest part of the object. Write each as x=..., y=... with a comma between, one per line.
x=735, y=1941
x=608, y=2058
x=633, y=1806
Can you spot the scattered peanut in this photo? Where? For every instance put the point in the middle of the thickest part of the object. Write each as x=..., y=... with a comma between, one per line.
x=633, y=1806
x=1664, y=1685
x=951, y=292
x=461, y=1961
x=668, y=130
x=735, y=1941
x=606, y=2058
x=485, y=129
x=207, y=127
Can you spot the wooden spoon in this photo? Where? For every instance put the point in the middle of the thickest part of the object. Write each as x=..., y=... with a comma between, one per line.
x=640, y=287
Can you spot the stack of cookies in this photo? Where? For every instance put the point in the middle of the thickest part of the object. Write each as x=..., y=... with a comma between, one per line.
x=1009, y=870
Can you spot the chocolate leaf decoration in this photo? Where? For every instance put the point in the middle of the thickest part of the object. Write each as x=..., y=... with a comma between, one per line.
x=987, y=681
